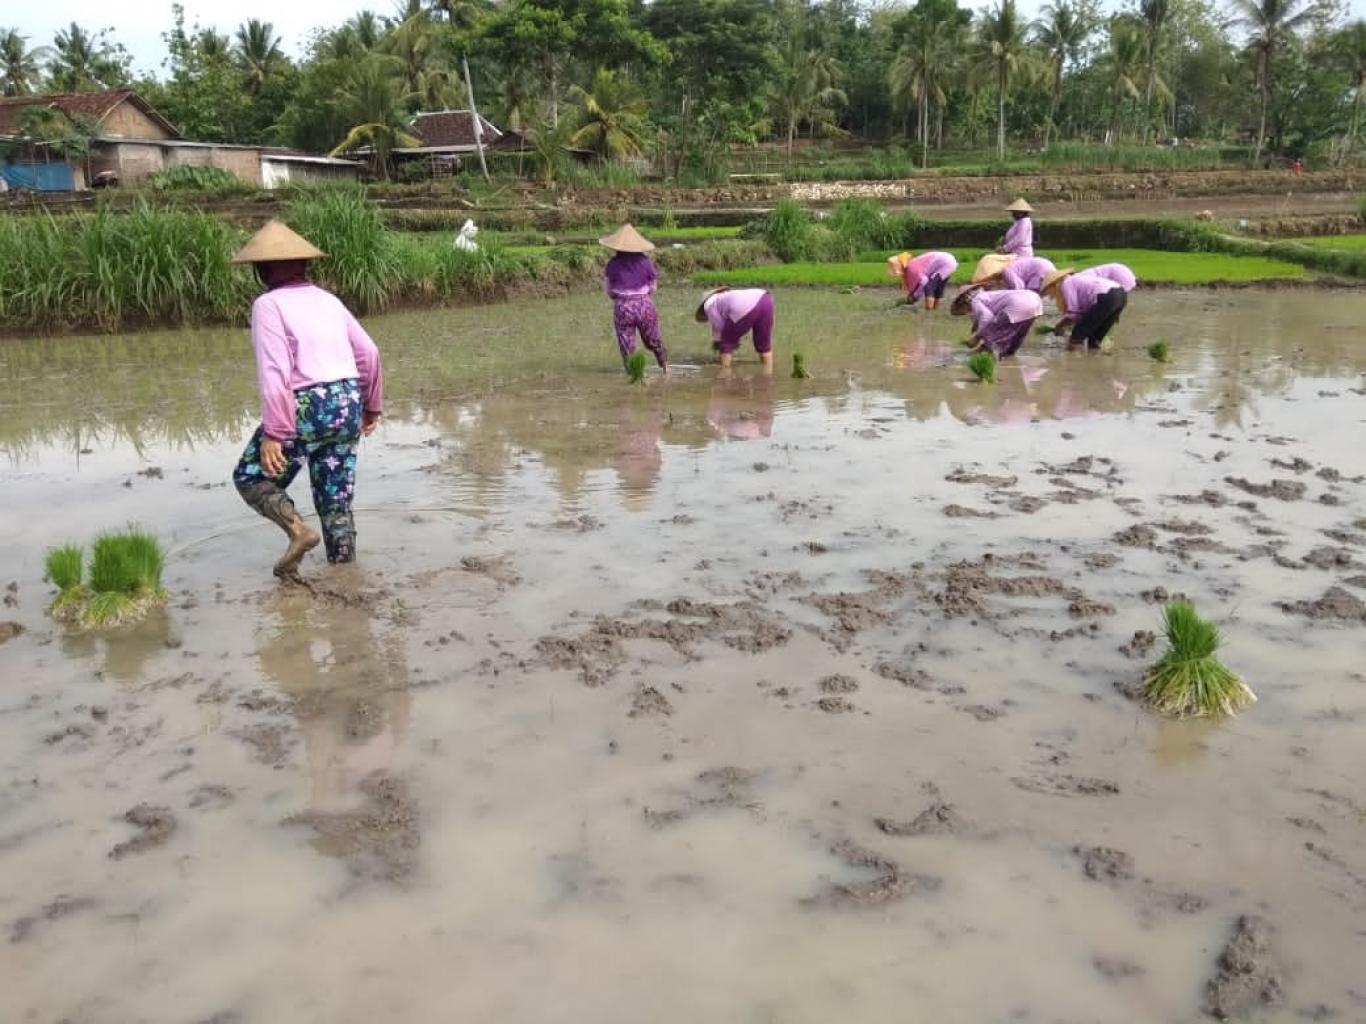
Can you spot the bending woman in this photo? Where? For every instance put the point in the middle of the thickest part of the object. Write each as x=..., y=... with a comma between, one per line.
x=1090, y=305
x=1000, y=319
x=924, y=276
x=735, y=313
x=322, y=388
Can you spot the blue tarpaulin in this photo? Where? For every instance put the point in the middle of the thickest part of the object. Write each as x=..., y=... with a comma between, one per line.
x=39, y=177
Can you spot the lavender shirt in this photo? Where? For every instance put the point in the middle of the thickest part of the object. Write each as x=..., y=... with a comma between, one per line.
x=1019, y=240
x=1079, y=292
x=928, y=265
x=996, y=315
x=731, y=307
x=1027, y=272
x=629, y=275
x=1116, y=272
x=303, y=336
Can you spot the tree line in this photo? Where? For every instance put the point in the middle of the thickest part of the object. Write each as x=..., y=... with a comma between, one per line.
x=683, y=81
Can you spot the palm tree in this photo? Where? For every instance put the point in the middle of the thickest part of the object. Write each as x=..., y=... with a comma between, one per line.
x=374, y=100
x=1154, y=15
x=82, y=62
x=462, y=15
x=1268, y=23
x=1350, y=47
x=1122, y=61
x=917, y=74
x=20, y=67
x=428, y=77
x=1062, y=31
x=258, y=54
x=1001, y=54
x=809, y=87
x=611, y=116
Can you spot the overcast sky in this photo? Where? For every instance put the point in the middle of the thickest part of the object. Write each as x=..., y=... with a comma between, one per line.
x=140, y=23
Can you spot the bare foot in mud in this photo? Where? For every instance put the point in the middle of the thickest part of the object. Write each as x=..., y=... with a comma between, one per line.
x=302, y=540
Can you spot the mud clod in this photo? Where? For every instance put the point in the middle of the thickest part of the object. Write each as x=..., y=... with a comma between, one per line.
x=1281, y=490
x=1140, y=644
x=1117, y=970
x=963, y=512
x=9, y=630
x=647, y=702
x=891, y=883
x=1331, y=558
x=1336, y=605
x=906, y=674
x=839, y=683
x=937, y=819
x=1245, y=977
x=156, y=825
x=1104, y=863
x=962, y=476
x=377, y=840
x=835, y=705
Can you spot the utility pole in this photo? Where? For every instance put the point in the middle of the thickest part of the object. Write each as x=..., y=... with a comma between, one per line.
x=474, y=112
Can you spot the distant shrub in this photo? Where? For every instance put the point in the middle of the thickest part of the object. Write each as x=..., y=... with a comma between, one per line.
x=184, y=178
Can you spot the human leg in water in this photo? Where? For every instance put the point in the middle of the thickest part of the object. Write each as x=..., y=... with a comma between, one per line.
x=269, y=496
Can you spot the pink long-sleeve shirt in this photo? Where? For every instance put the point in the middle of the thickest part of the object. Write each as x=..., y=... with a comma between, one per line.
x=303, y=336
x=1019, y=240
x=1116, y=272
x=925, y=266
x=1079, y=292
x=1027, y=272
x=728, y=307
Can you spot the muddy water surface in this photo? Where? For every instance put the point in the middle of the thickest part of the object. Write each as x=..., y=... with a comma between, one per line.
x=737, y=699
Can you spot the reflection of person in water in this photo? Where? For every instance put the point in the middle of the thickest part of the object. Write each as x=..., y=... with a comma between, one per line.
x=637, y=458
x=350, y=693
x=742, y=407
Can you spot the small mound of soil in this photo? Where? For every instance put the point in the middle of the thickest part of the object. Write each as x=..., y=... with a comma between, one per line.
x=1295, y=465
x=839, y=683
x=1082, y=607
x=962, y=476
x=1330, y=558
x=1211, y=498
x=905, y=674
x=269, y=742
x=1185, y=527
x=1140, y=644
x=377, y=840
x=937, y=819
x=1106, y=560
x=649, y=702
x=1336, y=604
x=9, y=630
x=496, y=569
x=835, y=705
x=1028, y=504
x=1104, y=863
x=1061, y=784
x=155, y=825
x=1282, y=490
x=596, y=655
x=892, y=883
x=982, y=712
x=1245, y=976
x=963, y=512
x=1137, y=536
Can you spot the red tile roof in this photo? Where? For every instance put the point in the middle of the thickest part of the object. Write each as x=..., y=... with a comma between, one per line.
x=98, y=105
x=451, y=128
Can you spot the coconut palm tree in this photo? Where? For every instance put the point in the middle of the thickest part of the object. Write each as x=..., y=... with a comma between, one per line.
x=428, y=76
x=1061, y=31
x=611, y=116
x=1269, y=24
x=258, y=54
x=374, y=99
x=1154, y=15
x=916, y=77
x=20, y=68
x=1349, y=46
x=461, y=15
x=1000, y=56
x=1123, y=63
x=83, y=62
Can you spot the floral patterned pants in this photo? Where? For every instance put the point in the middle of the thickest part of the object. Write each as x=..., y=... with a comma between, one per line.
x=328, y=424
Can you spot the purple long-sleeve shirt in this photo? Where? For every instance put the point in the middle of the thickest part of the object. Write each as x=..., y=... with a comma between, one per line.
x=1027, y=272
x=1079, y=292
x=1116, y=272
x=629, y=275
x=997, y=315
x=303, y=336
x=925, y=266
x=1019, y=240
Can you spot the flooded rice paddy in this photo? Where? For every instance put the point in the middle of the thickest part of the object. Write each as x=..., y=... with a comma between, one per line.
x=744, y=699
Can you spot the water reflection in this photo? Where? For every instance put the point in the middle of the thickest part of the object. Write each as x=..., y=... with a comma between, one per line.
x=741, y=408
x=349, y=688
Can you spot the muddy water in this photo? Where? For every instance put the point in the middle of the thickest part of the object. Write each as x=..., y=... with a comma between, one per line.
x=734, y=699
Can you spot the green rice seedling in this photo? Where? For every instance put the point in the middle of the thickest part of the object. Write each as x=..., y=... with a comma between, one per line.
x=799, y=370
x=146, y=558
x=1160, y=351
x=125, y=578
x=109, y=609
x=983, y=365
x=1189, y=680
x=635, y=367
x=65, y=566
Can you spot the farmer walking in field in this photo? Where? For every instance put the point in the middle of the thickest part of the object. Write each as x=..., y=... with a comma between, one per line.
x=733, y=313
x=1090, y=305
x=924, y=276
x=322, y=388
x=630, y=279
x=1001, y=319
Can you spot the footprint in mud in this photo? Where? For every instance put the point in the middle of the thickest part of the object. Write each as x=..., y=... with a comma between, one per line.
x=62, y=906
x=1246, y=976
x=1104, y=863
x=1060, y=784
x=891, y=882
x=497, y=569
x=156, y=824
x=378, y=840
x=937, y=819
x=211, y=798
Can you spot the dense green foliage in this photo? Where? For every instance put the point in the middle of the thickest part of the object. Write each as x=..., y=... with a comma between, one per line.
x=682, y=81
x=1189, y=680
x=201, y=180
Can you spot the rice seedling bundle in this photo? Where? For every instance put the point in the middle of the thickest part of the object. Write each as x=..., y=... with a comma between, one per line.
x=799, y=370
x=1159, y=351
x=1189, y=680
x=983, y=366
x=635, y=366
x=124, y=579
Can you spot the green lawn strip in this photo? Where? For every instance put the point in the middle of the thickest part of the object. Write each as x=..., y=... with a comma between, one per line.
x=1149, y=265
x=660, y=236
x=1347, y=243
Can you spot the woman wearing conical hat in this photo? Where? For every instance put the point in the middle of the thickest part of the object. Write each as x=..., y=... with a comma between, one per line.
x=1019, y=239
x=322, y=388
x=630, y=280
x=1090, y=305
x=924, y=276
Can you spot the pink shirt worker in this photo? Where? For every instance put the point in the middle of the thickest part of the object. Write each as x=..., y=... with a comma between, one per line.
x=733, y=313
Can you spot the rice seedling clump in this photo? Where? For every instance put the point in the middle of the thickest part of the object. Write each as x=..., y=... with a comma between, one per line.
x=123, y=583
x=799, y=370
x=635, y=367
x=1188, y=680
x=1160, y=351
x=983, y=366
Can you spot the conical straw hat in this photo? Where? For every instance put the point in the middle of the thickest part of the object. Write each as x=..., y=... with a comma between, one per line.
x=962, y=302
x=274, y=243
x=701, y=315
x=1053, y=280
x=627, y=239
x=990, y=267
x=1020, y=206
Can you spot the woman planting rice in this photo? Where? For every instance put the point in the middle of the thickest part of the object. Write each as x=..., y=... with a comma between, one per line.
x=322, y=388
x=1027, y=272
x=735, y=313
x=630, y=280
x=1116, y=272
x=1000, y=319
x=1090, y=305
x=924, y=276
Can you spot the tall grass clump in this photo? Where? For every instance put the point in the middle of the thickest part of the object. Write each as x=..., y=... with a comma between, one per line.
x=799, y=370
x=363, y=264
x=788, y=230
x=861, y=224
x=124, y=579
x=1160, y=351
x=1189, y=680
x=635, y=367
x=983, y=366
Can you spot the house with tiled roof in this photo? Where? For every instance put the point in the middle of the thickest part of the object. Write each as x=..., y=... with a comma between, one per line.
x=132, y=141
